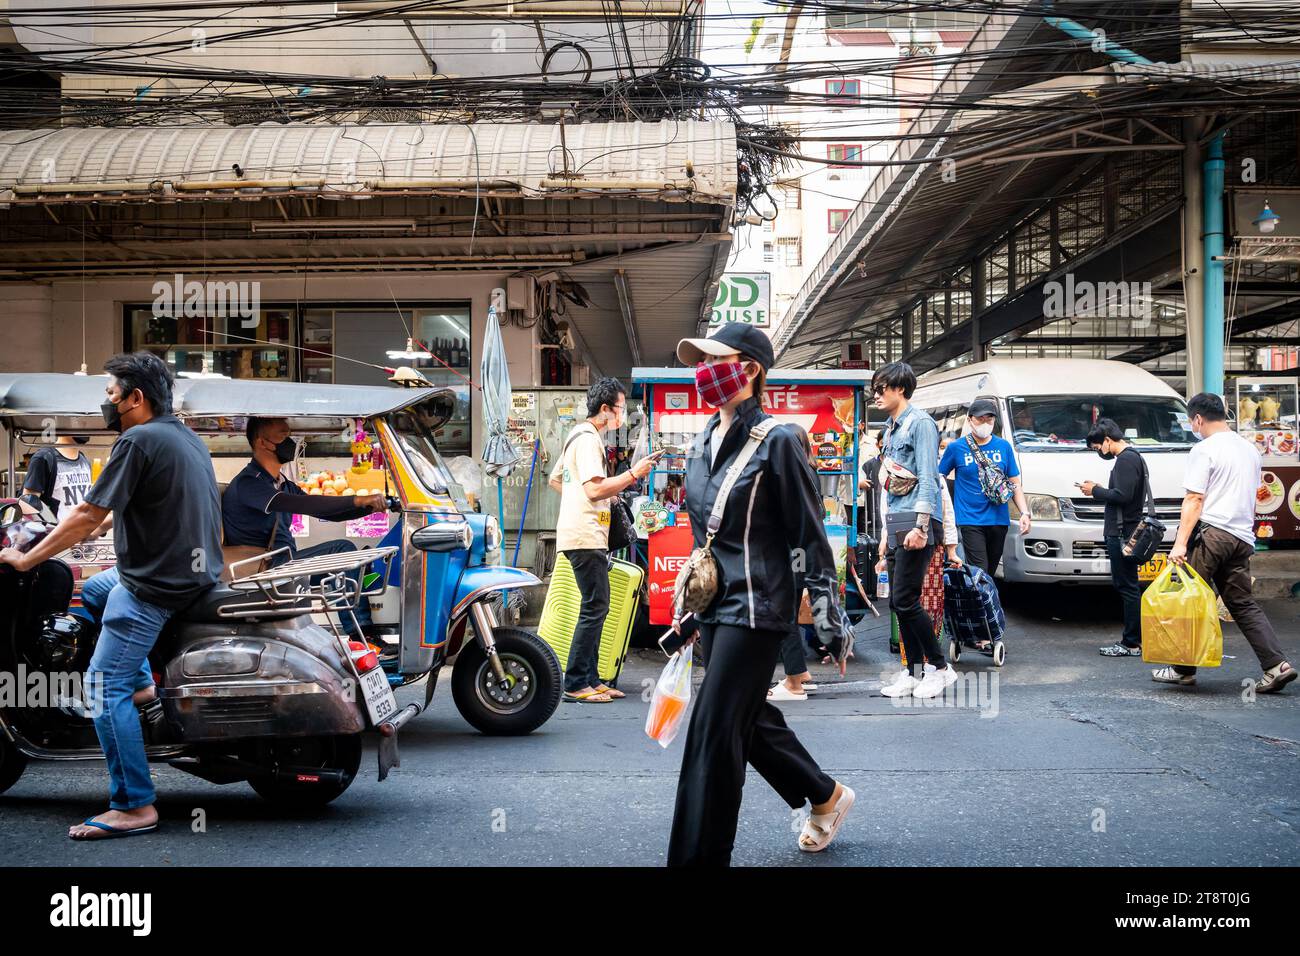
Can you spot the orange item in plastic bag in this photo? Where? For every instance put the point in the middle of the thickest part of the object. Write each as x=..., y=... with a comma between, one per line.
x=672, y=694
x=1180, y=620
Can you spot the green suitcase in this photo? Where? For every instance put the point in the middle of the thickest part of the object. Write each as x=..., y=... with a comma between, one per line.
x=564, y=603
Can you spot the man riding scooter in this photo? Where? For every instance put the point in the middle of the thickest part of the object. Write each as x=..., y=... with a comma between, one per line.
x=259, y=505
x=160, y=487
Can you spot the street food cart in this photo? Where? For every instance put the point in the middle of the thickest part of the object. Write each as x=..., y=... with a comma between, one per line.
x=1266, y=415
x=827, y=404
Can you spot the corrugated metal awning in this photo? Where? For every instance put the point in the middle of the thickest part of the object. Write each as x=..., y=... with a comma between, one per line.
x=693, y=161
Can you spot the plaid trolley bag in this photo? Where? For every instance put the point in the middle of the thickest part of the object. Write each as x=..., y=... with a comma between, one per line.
x=932, y=590
x=973, y=613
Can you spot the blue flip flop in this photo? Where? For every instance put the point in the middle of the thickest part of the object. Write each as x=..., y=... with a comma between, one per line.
x=114, y=832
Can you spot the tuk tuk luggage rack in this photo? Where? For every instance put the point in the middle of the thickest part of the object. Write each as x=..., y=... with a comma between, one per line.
x=290, y=586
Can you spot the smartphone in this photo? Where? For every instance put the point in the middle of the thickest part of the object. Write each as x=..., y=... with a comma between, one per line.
x=676, y=451
x=672, y=642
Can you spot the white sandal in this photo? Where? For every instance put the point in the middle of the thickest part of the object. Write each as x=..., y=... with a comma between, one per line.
x=820, y=828
x=781, y=692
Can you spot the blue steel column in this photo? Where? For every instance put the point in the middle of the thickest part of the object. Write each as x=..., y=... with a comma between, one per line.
x=1212, y=245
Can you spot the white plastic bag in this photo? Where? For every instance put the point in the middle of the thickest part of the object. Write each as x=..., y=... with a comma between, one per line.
x=671, y=697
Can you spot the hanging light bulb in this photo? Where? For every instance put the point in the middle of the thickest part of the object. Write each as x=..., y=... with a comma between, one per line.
x=411, y=352
x=1267, y=220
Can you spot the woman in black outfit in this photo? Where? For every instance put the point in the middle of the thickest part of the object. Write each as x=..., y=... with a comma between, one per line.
x=770, y=544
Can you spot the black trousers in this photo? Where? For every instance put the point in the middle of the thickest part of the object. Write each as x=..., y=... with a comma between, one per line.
x=733, y=723
x=794, y=659
x=1124, y=578
x=907, y=571
x=983, y=544
x=591, y=571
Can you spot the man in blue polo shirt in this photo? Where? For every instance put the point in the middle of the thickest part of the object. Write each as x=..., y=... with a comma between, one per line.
x=983, y=525
x=259, y=504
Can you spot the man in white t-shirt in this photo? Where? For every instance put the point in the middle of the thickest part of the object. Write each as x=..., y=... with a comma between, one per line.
x=1223, y=475
x=582, y=530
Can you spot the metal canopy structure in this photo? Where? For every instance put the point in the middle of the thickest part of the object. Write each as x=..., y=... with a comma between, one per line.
x=638, y=213
x=952, y=249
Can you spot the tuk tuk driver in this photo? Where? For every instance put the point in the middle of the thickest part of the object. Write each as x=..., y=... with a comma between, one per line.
x=259, y=504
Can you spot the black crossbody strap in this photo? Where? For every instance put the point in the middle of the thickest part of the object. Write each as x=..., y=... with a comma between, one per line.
x=1146, y=481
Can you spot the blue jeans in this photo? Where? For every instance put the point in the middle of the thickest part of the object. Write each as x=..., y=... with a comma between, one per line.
x=336, y=547
x=120, y=665
x=94, y=595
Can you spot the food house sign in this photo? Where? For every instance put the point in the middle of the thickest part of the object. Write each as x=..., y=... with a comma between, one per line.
x=743, y=297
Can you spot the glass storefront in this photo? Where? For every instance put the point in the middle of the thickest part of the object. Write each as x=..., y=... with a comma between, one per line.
x=321, y=343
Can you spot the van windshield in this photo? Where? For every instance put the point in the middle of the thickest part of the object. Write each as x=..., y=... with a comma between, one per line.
x=1062, y=422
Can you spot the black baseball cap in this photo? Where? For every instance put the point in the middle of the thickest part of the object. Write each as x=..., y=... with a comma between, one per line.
x=732, y=337
x=981, y=407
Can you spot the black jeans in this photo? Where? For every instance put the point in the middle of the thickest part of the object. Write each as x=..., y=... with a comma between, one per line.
x=907, y=571
x=1223, y=560
x=591, y=571
x=733, y=723
x=983, y=544
x=1124, y=578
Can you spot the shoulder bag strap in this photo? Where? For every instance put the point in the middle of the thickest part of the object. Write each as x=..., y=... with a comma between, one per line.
x=756, y=436
x=1146, y=481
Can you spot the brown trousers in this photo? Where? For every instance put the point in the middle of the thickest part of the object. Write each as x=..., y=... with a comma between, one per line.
x=1224, y=560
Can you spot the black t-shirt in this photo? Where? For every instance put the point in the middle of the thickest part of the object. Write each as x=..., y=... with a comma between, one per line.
x=161, y=488
x=58, y=481
x=1126, y=497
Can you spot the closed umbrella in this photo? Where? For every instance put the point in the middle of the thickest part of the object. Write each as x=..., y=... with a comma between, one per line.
x=499, y=454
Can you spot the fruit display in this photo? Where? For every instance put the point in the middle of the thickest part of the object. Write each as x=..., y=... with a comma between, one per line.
x=343, y=483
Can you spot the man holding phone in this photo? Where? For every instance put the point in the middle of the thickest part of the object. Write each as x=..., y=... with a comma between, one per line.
x=582, y=530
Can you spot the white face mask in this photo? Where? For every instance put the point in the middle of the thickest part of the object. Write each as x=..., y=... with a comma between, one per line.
x=982, y=431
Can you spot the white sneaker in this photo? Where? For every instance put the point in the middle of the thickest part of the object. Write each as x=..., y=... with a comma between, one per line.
x=902, y=685
x=935, y=682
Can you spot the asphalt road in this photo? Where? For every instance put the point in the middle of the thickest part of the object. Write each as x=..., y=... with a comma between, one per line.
x=1067, y=759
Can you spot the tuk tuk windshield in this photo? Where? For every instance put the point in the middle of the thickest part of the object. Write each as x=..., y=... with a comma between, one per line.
x=415, y=438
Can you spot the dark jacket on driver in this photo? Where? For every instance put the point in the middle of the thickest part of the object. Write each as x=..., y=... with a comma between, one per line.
x=771, y=533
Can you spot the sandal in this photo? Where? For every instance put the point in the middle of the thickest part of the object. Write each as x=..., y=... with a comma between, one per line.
x=590, y=697
x=613, y=692
x=820, y=828
x=781, y=692
x=113, y=833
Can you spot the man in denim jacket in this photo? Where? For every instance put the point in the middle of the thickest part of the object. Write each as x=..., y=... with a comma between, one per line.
x=913, y=527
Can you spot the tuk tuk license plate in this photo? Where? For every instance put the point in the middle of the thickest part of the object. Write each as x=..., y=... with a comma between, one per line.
x=378, y=695
x=1148, y=571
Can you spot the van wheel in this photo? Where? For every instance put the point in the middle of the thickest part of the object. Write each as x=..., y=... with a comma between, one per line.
x=533, y=692
x=12, y=764
x=339, y=755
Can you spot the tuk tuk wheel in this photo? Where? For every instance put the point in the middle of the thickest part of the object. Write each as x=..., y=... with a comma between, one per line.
x=12, y=764
x=337, y=753
x=533, y=693
x=999, y=654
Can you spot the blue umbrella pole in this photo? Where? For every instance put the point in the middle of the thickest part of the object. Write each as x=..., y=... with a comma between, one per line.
x=528, y=492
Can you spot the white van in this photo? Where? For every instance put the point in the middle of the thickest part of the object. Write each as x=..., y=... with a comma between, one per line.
x=1046, y=407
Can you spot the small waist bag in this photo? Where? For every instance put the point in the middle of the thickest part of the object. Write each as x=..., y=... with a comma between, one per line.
x=897, y=479
x=697, y=581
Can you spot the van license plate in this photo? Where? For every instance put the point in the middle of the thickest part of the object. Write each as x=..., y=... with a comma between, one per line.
x=1148, y=571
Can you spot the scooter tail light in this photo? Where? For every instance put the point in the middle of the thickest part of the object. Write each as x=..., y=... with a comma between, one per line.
x=363, y=658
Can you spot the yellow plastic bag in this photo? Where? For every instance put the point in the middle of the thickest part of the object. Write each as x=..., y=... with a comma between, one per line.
x=1180, y=620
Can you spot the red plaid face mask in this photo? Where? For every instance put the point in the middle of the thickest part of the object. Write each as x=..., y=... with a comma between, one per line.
x=720, y=383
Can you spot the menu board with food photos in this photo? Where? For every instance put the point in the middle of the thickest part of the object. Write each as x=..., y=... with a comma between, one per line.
x=1277, y=504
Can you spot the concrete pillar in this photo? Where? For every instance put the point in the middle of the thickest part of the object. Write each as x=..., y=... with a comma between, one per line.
x=28, y=340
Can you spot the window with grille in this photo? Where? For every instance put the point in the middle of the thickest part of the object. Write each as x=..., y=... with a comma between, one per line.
x=769, y=253
x=843, y=92
x=791, y=252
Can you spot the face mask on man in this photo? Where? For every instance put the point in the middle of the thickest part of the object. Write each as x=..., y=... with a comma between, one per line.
x=1104, y=454
x=112, y=416
x=1196, y=433
x=982, y=431
x=286, y=450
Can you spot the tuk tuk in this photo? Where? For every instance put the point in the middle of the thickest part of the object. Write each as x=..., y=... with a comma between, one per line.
x=440, y=586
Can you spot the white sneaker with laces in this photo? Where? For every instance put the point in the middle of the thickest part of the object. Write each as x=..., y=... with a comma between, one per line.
x=935, y=682
x=901, y=686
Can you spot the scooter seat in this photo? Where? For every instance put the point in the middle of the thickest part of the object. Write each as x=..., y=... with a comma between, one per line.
x=208, y=608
